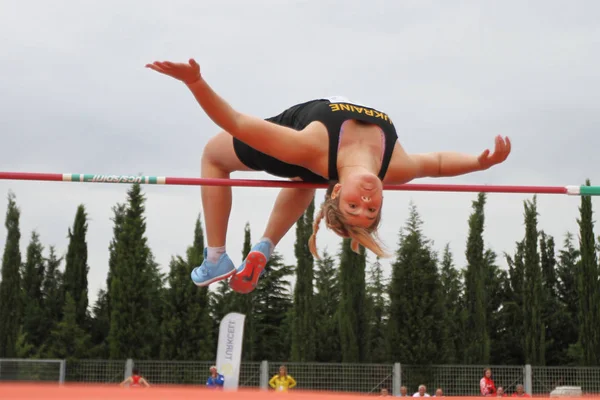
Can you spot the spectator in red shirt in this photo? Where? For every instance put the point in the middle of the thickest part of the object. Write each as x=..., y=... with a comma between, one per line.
x=520, y=392
x=500, y=392
x=135, y=380
x=486, y=384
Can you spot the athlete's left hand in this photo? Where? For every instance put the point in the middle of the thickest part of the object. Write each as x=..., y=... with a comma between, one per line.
x=188, y=73
x=501, y=152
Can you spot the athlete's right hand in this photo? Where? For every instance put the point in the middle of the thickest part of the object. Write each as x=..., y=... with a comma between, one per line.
x=188, y=73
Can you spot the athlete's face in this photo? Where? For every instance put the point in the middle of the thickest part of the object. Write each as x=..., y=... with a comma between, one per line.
x=361, y=197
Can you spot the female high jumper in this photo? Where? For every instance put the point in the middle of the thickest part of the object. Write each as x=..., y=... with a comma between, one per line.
x=351, y=146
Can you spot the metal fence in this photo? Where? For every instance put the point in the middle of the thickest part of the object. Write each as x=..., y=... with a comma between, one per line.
x=545, y=379
x=367, y=378
x=461, y=380
x=15, y=369
x=95, y=371
x=454, y=380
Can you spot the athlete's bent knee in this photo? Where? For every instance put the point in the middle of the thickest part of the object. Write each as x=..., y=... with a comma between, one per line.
x=214, y=147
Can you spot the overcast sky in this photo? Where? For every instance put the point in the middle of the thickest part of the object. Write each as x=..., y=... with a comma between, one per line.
x=75, y=98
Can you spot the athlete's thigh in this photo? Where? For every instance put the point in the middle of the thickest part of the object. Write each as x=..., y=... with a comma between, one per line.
x=219, y=151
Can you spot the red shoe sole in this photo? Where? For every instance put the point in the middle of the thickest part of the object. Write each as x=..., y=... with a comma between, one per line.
x=246, y=281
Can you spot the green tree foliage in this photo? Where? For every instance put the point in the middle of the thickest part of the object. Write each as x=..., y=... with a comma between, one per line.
x=52, y=296
x=76, y=267
x=553, y=311
x=377, y=309
x=416, y=300
x=10, y=285
x=68, y=340
x=478, y=350
x=588, y=285
x=187, y=326
x=543, y=309
x=533, y=295
x=326, y=301
x=303, y=329
x=352, y=314
x=33, y=276
x=135, y=291
x=456, y=315
x=272, y=303
x=119, y=212
x=513, y=344
x=568, y=296
x=496, y=281
x=100, y=326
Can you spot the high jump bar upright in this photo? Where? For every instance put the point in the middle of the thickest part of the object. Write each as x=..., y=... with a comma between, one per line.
x=573, y=190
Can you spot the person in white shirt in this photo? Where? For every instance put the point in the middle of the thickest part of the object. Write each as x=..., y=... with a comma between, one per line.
x=422, y=392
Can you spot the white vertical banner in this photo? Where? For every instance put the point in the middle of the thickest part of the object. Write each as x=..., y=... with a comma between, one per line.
x=229, y=349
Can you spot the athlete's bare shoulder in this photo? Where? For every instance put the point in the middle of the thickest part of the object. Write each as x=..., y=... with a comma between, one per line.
x=402, y=168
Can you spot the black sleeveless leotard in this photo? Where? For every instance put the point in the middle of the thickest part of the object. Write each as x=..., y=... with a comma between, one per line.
x=332, y=113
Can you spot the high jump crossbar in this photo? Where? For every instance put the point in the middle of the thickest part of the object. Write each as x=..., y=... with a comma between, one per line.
x=572, y=190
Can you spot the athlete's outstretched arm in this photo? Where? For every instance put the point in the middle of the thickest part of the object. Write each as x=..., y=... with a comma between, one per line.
x=443, y=164
x=405, y=167
x=284, y=143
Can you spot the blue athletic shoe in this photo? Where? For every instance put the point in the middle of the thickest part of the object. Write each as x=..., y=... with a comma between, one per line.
x=253, y=267
x=209, y=272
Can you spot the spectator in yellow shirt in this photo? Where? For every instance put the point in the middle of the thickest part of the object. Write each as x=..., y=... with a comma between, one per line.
x=282, y=381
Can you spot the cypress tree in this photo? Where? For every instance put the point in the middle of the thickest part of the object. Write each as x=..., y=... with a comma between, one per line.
x=175, y=341
x=416, y=301
x=103, y=308
x=52, y=295
x=76, y=268
x=478, y=352
x=354, y=334
x=135, y=288
x=326, y=302
x=69, y=341
x=202, y=321
x=455, y=314
x=10, y=285
x=32, y=279
x=119, y=212
x=548, y=264
x=186, y=326
x=514, y=344
x=553, y=312
x=272, y=302
x=377, y=303
x=568, y=297
x=496, y=295
x=303, y=329
x=100, y=326
x=588, y=285
x=534, y=332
